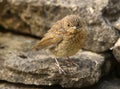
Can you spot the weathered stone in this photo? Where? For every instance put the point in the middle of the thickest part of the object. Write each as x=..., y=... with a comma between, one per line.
x=7, y=85
x=111, y=13
x=109, y=84
x=116, y=50
x=101, y=38
x=112, y=10
x=37, y=16
x=20, y=64
x=117, y=24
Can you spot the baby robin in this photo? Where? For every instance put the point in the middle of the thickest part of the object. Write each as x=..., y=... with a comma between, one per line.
x=65, y=38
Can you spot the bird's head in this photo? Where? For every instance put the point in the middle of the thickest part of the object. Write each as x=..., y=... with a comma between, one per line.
x=72, y=23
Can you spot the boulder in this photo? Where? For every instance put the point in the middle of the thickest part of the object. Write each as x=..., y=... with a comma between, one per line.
x=116, y=50
x=20, y=64
x=5, y=85
x=109, y=84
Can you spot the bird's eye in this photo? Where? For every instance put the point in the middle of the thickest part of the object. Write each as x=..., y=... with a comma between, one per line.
x=68, y=25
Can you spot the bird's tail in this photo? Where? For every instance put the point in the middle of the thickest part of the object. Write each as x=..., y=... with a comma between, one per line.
x=37, y=47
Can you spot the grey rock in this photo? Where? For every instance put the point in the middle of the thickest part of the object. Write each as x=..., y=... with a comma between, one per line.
x=112, y=10
x=101, y=38
x=6, y=85
x=109, y=84
x=36, y=16
x=117, y=24
x=19, y=64
x=116, y=50
x=111, y=13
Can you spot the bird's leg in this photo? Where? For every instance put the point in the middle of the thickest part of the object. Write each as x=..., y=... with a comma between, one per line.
x=71, y=62
x=58, y=65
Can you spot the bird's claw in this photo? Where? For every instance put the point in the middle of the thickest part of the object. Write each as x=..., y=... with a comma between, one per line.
x=58, y=65
x=61, y=71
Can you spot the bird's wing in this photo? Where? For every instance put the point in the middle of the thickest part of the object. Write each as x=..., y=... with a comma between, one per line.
x=52, y=38
x=48, y=41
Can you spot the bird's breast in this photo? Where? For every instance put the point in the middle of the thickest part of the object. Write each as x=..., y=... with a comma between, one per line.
x=70, y=45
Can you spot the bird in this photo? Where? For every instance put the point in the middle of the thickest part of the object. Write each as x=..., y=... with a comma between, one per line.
x=65, y=38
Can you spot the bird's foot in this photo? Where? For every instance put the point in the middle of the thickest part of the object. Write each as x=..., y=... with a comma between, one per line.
x=61, y=71
x=71, y=63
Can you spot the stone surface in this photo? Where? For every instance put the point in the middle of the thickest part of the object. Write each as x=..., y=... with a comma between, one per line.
x=20, y=64
x=111, y=13
x=8, y=85
x=116, y=50
x=105, y=84
x=16, y=86
x=112, y=10
x=109, y=84
x=117, y=24
x=37, y=16
x=101, y=38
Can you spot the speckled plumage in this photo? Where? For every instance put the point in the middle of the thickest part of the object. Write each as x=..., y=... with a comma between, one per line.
x=65, y=37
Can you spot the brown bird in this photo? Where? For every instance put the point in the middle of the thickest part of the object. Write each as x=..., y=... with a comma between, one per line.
x=65, y=38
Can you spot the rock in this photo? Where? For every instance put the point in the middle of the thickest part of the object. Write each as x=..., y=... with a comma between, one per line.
x=116, y=50
x=11, y=20
x=109, y=84
x=112, y=10
x=117, y=24
x=19, y=64
x=16, y=86
x=36, y=17
x=8, y=85
x=101, y=38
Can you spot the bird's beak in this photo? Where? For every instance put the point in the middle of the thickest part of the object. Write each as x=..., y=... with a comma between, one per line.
x=74, y=27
